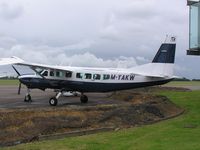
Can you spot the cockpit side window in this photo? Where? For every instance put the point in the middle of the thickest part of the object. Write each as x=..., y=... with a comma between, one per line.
x=45, y=73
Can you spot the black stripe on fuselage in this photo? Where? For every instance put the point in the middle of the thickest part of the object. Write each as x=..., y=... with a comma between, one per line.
x=87, y=86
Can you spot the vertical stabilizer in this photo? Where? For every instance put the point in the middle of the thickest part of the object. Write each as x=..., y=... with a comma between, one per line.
x=163, y=62
x=166, y=53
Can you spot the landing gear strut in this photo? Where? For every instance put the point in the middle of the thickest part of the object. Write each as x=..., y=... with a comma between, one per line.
x=27, y=97
x=53, y=101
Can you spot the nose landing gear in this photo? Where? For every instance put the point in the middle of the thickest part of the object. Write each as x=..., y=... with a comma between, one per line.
x=27, y=97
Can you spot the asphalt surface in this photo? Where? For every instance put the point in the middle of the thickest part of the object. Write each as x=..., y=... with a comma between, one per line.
x=10, y=99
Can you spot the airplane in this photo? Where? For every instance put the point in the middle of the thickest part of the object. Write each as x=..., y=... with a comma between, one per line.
x=86, y=79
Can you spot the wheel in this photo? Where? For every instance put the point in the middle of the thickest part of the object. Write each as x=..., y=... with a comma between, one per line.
x=27, y=98
x=53, y=101
x=84, y=99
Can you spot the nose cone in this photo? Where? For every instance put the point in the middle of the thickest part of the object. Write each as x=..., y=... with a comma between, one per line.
x=24, y=79
x=32, y=81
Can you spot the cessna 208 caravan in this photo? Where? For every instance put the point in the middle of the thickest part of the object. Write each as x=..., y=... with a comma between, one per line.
x=83, y=80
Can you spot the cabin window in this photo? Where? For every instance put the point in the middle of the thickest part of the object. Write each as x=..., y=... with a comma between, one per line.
x=88, y=76
x=51, y=73
x=79, y=75
x=45, y=73
x=106, y=76
x=68, y=74
x=96, y=76
x=59, y=74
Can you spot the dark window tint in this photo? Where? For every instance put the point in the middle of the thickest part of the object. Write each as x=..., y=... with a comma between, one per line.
x=88, y=76
x=52, y=73
x=68, y=74
x=106, y=76
x=79, y=75
x=57, y=74
x=45, y=73
x=96, y=76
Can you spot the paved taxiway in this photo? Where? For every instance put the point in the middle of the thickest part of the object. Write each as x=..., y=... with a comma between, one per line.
x=10, y=99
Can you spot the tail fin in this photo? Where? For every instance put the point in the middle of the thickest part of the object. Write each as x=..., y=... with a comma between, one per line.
x=166, y=53
x=163, y=62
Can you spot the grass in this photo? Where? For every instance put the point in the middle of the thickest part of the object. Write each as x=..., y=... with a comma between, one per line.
x=184, y=83
x=9, y=82
x=173, y=83
x=181, y=133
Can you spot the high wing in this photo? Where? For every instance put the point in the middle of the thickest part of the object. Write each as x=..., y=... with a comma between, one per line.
x=17, y=61
x=147, y=70
x=144, y=70
x=11, y=60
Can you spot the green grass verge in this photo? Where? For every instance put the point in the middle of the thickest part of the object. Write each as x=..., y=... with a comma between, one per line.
x=180, y=133
x=9, y=82
x=173, y=83
x=184, y=83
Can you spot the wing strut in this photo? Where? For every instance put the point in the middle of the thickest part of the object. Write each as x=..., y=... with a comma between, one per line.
x=20, y=84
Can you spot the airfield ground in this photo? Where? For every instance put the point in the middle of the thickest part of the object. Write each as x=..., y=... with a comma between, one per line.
x=19, y=120
x=10, y=99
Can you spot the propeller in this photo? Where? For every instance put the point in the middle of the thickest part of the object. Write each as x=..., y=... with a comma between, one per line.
x=20, y=84
x=19, y=88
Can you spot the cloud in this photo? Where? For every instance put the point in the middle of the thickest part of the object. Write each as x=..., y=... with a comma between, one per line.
x=110, y=33
x=90, y=60
x=142, y=59
x=138, y=9
x=101, y=31
x=10, y=12
x=59, y=55
x=7, y=42
x=80, y=45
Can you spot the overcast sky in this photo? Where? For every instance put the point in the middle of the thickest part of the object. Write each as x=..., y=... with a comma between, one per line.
x=100, y=33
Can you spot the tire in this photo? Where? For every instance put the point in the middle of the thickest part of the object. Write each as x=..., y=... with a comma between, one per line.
x=53, y=101
x=27, y=98
x=84, y=99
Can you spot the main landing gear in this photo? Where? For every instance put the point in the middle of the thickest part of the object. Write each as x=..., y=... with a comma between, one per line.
x=53, y=101
x=84, y=98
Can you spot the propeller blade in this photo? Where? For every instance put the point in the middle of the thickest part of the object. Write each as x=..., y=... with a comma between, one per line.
x=19, y=89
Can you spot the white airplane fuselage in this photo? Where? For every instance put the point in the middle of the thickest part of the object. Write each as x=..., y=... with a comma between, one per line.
x=91, y=80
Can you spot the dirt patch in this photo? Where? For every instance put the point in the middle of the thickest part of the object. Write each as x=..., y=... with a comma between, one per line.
x=26, y=125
